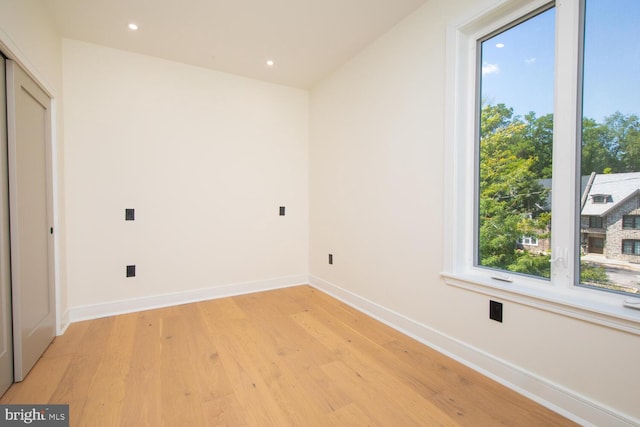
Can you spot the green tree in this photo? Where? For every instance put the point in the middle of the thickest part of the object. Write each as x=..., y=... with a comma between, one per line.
x=596, y=154
x=494, y=117
x=612, y=146
x=622, y=133
x=512, y=200
x=537, y=143
x=515, y=158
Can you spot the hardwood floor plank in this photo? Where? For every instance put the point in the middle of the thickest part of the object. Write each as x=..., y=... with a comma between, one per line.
x=300, y=355
x=105, y=394
x=48, y=371
x=140, y=407
x=370, y=378
x=393, y=406
x=246, y=371
x=288, y=357
x=375, y=331
x=85, y=359
x=351, y=415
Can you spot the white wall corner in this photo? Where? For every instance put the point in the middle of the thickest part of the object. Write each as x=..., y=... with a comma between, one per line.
x=566, y=402
x=132, y=305
x=9, y=47
x=63, y=323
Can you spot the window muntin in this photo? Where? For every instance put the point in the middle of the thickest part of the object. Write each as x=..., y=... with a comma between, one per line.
x=515, y=146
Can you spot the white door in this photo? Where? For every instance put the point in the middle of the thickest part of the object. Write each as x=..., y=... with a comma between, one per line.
x=6, y=339
x=33, y=296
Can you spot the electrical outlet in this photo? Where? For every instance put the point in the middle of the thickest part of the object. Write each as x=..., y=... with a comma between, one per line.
x=495, y=311
x=129, y=214
x=330, y=258
x=281, y=210
x=131, y=271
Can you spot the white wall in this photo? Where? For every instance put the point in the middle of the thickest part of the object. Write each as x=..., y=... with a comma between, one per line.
x=205, y=158
x=28, y=28
x=29, y=37
x=376, y=203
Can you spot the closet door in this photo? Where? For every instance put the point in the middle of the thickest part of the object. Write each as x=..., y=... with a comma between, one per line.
x=6, y=339
x=33, y=295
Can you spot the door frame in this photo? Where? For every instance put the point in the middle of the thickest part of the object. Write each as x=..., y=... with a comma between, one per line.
x=14, y=52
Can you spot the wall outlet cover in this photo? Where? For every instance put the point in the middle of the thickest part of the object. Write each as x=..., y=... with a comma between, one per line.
x=131, y=270
x=495, y=311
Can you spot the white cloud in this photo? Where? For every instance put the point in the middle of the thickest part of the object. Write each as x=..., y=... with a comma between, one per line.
x=490, y=69
x=530, y=61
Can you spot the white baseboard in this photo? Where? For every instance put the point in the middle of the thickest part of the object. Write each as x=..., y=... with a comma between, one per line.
x=132, y=305
x=566, y=402
x=63, y=323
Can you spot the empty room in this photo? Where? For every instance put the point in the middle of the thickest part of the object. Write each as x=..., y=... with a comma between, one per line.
x=321, y=212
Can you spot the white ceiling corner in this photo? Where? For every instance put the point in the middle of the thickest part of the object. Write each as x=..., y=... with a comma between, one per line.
x=307, y=39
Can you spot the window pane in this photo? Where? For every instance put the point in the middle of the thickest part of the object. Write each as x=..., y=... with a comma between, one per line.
x=595, y=222
x=610, y=159
x=515, y=147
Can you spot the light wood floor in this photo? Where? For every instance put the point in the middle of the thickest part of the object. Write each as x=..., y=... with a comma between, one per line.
x=291, y=357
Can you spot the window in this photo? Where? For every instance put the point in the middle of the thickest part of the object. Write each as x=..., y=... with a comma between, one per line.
x=544, y=130
x=631, y=247
x=631, y=221
x=611, y=130
x=599, y=198
x=595, y=222
x=596, y=244
x=515, y=144
x=516, y=147
x=528, y=241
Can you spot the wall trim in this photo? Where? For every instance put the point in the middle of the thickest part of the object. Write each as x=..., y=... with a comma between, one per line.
x=63, y=322
x=568, y=403
x=94, y=311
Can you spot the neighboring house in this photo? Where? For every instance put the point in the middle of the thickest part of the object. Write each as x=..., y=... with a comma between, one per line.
x=610, y=217
x=537, y=244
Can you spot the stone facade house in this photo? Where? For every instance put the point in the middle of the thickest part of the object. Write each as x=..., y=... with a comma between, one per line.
x=610, y=216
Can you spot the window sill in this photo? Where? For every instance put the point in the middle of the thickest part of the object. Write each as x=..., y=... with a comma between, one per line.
x=576, y=303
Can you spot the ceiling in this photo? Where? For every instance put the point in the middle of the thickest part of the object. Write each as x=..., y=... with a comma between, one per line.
x=306, y=39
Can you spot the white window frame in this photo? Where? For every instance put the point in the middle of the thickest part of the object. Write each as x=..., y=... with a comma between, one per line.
x=557, y=294
x=528, y=241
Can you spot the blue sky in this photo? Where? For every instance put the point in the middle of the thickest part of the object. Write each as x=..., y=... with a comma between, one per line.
x=518, y=64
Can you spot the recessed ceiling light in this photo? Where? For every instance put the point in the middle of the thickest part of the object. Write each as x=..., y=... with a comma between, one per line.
x=133, y=27
x=270, y=63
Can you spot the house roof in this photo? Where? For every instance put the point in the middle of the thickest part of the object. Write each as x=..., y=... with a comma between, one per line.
x=616, y=187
